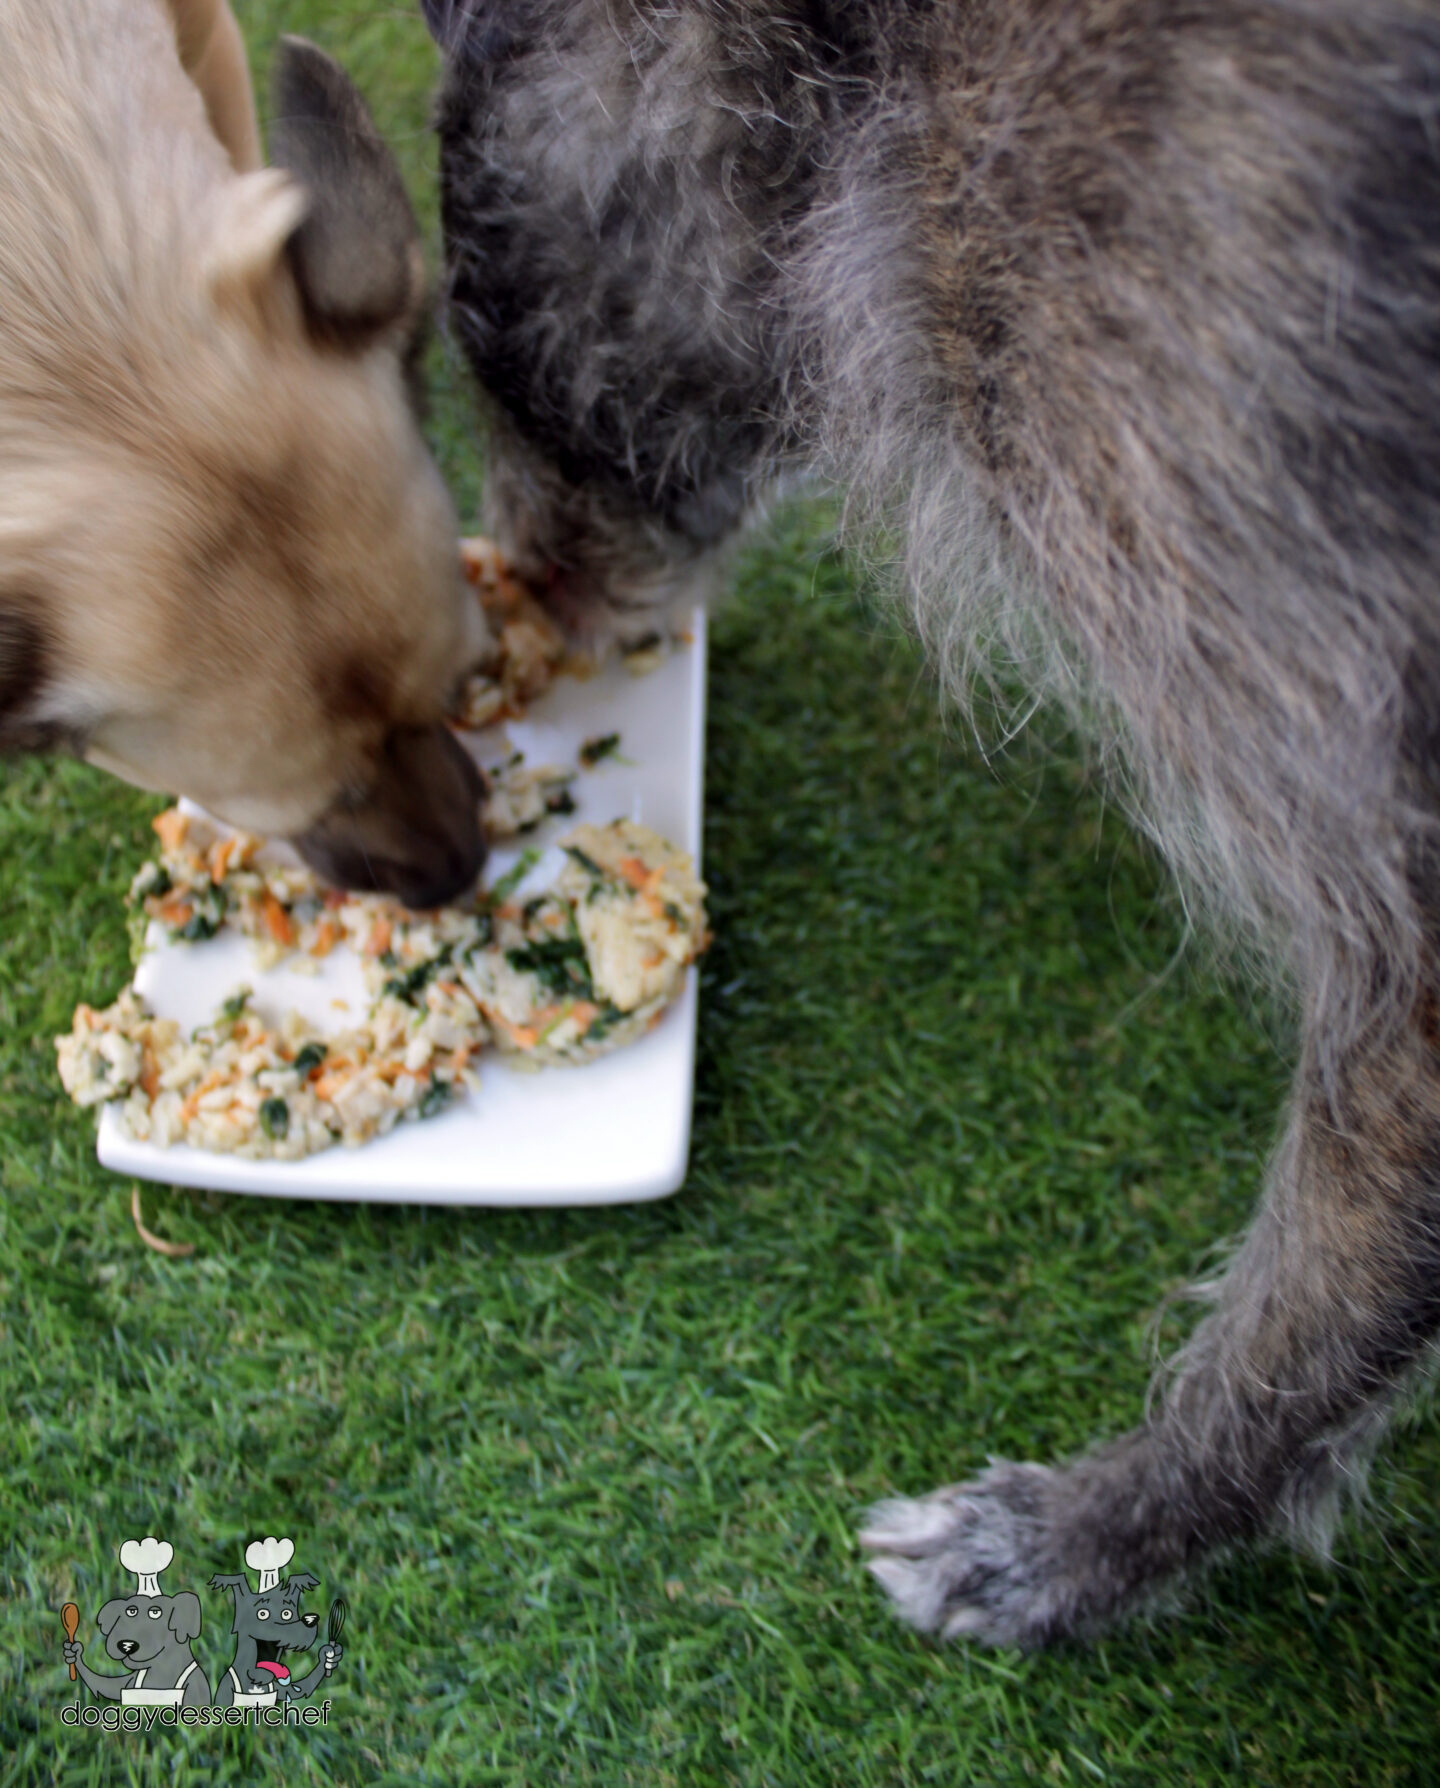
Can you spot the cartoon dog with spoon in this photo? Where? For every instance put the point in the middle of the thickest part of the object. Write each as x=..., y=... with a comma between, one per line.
x=268, y=1624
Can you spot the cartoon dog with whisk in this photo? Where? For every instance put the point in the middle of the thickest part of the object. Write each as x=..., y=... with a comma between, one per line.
x=269, y=1623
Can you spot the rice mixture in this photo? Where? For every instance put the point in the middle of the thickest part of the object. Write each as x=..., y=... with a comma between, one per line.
x=562, y=977
x=528, y=651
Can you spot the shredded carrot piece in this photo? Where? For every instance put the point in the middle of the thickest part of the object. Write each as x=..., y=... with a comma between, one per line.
x=521, y=1035
x=332, y=1076
x=220, y=854
x=327, y=935
x=277, y=920
x=174, y=909
x=644, y=881
x=378, y=941
x=192, y=1104
x=170, y=828
x=550, y=1018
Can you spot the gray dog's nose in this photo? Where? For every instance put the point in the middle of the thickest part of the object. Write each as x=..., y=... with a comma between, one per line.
x=311, y=1620
x=127, y=1646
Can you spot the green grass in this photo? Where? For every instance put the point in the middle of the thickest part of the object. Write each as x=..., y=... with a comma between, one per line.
x=589, y=1480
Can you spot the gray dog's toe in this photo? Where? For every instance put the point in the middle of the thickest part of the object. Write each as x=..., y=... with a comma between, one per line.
x=972, y=1561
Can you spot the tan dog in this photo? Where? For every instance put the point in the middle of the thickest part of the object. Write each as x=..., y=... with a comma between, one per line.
x=227, y=563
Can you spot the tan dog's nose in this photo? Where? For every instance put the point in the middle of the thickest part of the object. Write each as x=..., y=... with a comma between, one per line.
x=416, y=832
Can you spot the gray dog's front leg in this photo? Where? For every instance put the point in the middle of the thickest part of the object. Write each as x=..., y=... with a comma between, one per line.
x=107, y=1687
x=1267, y=1415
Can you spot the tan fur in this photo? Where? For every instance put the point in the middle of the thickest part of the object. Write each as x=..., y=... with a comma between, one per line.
x=212, y=53
x=213, y=516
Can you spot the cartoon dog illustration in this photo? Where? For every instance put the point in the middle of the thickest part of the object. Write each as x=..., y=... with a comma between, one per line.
x=151, y=1634
x=268, y=1623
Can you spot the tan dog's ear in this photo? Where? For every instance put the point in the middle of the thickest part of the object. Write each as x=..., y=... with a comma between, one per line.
x=256, y=216
x=356, y=255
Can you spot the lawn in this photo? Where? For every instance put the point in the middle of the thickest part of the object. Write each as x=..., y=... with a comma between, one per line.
x=589, y=1480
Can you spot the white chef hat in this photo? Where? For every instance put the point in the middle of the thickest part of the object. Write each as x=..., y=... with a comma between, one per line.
x=269, y=1556
x=147, y=1558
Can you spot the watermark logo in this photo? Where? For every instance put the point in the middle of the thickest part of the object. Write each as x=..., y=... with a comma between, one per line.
x=278, y=1657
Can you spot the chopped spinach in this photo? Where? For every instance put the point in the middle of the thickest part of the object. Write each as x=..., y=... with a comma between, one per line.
x=275, y=1119
x=603, y=1023
x=560, y=800
x=151, y=879
x=594, y=750
x=587, y=863
x=207, y=915
x=511, y=880
x=559, y=963
x=414, y=981
x=234, y=1006
x=435, y=1097
x=308, y=1057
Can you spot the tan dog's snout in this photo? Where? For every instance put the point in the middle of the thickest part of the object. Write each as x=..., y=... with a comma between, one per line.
x=415, y=832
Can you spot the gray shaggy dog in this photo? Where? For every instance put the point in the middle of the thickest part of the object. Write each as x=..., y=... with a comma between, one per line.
x=1127, y=312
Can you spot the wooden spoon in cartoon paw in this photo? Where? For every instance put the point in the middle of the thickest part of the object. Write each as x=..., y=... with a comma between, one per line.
x=70, y=1620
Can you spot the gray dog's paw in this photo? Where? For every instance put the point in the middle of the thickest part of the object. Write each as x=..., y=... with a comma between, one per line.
x=975, y=1561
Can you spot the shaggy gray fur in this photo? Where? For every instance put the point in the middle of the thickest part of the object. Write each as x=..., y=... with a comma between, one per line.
x=1127, y=314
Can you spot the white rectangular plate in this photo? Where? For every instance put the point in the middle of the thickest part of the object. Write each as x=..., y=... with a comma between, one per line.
x=609, y=1132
